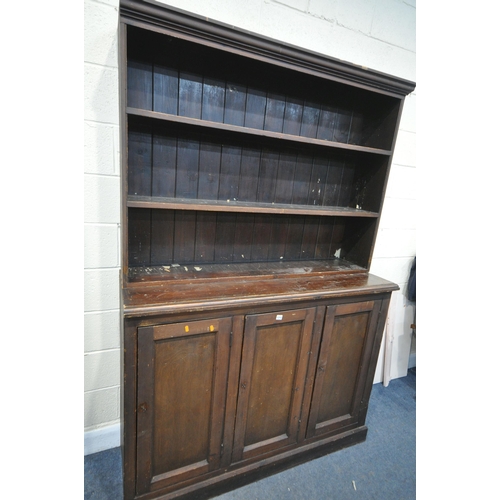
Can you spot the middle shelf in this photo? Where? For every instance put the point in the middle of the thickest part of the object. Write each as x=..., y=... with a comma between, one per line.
x=243, y=207
x=203, y=169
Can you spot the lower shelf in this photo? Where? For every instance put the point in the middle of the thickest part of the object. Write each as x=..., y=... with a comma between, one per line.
x=238, y=270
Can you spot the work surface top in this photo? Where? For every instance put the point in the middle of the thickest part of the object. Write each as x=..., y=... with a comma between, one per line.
x=154, y=297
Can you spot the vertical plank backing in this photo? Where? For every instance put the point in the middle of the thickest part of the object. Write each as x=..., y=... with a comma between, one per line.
x=255, y=108
x=342, y=125
x=234, y=110
x=346, y=187
x=309, y=238
x=357, y=124
x=333, y=183
x=294, y=107
x=338, y=230
x=229, y=172
x=275, y=109
x=224, y=237
x=214, y=90
x=139, y=237
x=243, y=233
x=190, y=93
x=188, y=150
x=162, y=237
x=164, y=165
x=319, y=173
x=324, y=238
x=140, y=84
x=184, y=236
x=261, y=238
x=267, y=176
x=205, y=237
x=301, y=180
x=139, y=158
x=294, y=237
x=166, y=89
x=310, y=119
x=249, y=174
x=279, y=233
x=210, y=163
x=286, y=171
x=326, y=123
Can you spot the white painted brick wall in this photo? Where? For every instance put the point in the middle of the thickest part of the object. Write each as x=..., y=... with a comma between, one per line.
x=102, y=330
x=101, y=216
x=101, y=148
x=379, y=34
x=101, y=407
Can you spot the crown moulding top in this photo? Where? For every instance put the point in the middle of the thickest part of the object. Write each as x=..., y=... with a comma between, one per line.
x=180, y=23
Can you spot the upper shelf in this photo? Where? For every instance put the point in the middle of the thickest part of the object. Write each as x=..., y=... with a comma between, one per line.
x=253, y=131
x=184, y=82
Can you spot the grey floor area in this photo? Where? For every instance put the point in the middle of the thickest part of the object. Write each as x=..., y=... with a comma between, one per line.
x=381, y=468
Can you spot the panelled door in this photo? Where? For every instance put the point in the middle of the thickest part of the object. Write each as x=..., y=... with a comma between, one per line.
x=342, y=368
x=182, y=376
x=274, y=362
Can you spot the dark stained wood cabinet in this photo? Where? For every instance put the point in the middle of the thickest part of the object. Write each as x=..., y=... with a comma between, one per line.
x=253, y=178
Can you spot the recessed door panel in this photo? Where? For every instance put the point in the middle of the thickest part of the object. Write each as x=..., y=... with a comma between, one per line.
x=182, y=374
x=274, y=364
x=342, y=366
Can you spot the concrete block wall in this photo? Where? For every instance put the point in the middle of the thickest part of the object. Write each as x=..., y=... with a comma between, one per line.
x=101, y=226
x=379, y=34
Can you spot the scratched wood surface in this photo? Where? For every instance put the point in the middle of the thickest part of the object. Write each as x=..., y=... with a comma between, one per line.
x=151, y=297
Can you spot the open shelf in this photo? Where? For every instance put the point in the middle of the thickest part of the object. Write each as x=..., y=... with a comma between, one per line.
x=171, y=76
x=296, y=139
x=160, y=237
x=235, y=165
x=172, y=162
x=235, y=271
x=243, y=207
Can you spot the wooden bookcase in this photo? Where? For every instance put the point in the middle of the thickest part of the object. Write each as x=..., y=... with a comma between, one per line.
x=253, y=180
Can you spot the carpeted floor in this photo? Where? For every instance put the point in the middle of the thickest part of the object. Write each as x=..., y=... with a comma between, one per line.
x=381, y=468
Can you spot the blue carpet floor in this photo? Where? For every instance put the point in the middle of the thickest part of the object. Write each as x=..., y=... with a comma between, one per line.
x=381, y=468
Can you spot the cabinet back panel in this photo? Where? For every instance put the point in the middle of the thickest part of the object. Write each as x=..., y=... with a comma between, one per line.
x=223, y=87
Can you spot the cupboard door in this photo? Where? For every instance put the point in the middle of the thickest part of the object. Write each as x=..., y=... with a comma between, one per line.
x=342, y=369
x=275, y=354
x=182, y=375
